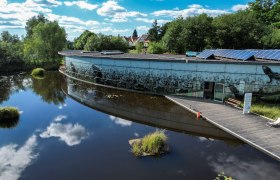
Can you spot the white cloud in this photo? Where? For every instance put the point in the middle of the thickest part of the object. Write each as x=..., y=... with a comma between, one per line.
x=150, y=21
x=14, y=159
x=118, y=13
x=191, y=10
x=142, y=28
x=81, y=4
x=120, y=121
x=238, y=7
x=3, y=3
x=244, y=169
x=71, y=134
x=59, y=118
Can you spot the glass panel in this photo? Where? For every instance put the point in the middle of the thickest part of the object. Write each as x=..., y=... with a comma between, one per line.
x=219, y=92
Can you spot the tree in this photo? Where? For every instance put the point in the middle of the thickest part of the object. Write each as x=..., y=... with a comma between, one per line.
x=134, y=34
x=92, y=43
x=45, y=42
x=272, y=40
x=32, y=22
x=172, y=39
x=80, y=42
x=154, y=32
x=7, y=37
x=266, y=10
x=238, y=31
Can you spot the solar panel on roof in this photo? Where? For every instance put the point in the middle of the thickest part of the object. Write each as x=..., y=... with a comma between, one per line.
x=205, y=54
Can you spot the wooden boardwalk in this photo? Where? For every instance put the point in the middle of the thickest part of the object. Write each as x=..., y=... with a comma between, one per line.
x=249, y=128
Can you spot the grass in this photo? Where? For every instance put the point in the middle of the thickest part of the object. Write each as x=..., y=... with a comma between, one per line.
x=8, y=116
x=152, y=144
x=271, y=111
x=38, y=72
x=267, y=110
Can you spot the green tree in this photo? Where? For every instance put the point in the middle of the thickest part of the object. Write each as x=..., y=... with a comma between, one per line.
x=156, y=48
x=154, y=32
x=44, y=44
x=7, y=37
x=172, y=39
x=139, y=46
x=92, y=43
x=272, y=40
x=238, y=31
x=32, y=22
x=135, y=34
x=80, y=42
x=266, y=10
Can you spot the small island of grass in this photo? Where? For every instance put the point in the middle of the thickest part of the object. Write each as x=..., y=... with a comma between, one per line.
x=9, y=117
x=38, y=72
x=150, y=145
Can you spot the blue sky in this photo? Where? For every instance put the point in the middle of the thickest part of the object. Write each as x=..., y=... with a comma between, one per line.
x=108, y=16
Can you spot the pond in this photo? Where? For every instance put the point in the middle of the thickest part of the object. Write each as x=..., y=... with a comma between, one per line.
x=72, y=130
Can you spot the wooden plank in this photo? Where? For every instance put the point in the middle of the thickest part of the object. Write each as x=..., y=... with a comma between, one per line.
x=249, y=128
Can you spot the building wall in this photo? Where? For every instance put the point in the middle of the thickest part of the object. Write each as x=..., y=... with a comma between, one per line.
x=178, y=77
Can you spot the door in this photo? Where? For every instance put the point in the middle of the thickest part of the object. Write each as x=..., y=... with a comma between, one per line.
x=219, y=92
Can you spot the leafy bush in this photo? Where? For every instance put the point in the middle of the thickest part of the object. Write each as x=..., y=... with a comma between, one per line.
x=156, y=48
x=38, y=72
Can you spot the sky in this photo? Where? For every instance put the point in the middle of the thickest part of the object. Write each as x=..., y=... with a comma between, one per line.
x=115, y=17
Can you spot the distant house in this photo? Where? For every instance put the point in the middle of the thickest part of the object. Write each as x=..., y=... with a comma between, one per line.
x=133, y=40
x=143, y=38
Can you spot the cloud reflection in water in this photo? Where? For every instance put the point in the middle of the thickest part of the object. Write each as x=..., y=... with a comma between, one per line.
x=244, y=169
x=14, y=159
x=71, y=134
x=120, y=121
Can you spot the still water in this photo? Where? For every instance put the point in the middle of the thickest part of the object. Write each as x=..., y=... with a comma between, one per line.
x=72, y=130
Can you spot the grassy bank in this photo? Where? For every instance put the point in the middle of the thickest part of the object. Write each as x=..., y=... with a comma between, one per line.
x=268, y=110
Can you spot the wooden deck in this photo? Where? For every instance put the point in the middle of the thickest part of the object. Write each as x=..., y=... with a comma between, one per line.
x=249, y=128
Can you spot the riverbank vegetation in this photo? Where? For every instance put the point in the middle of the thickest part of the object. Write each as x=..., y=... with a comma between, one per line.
x=39, y=47
x=151, y=144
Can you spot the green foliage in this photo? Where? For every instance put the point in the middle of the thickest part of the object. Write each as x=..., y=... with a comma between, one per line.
x=154, y=32
x=156, y=48
x=154, y=143
x=32, y=23
x=8, y=113
x=266, y=10
x=136, y=149
x=80, y=42
x=104, y=42
x=139, y=47
x=44, y=44
x=272, y=40
x=267, y=110
x=239, y=30
x=38, y=72
x=134, y=34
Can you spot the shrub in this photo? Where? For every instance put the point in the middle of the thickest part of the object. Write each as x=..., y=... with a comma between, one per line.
x=38, y=72
x=8, y=117
x=154, y=143
x=156, y=48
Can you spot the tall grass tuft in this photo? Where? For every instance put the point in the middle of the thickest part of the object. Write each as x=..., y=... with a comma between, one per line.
x=154, y=143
